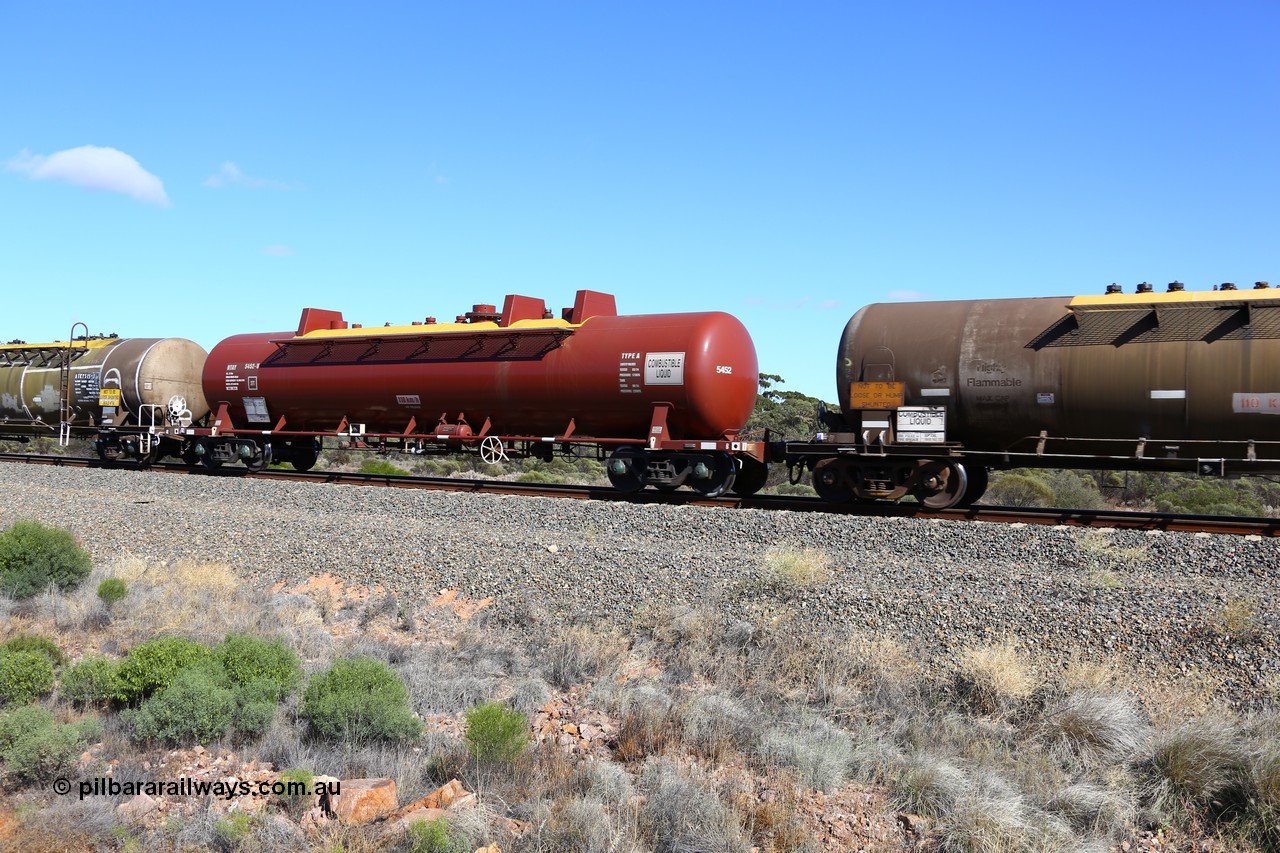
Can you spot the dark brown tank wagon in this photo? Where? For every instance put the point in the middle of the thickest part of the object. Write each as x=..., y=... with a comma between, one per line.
x=934, y=394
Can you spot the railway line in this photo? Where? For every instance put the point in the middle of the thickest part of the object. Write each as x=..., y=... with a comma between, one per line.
x=1105, y=518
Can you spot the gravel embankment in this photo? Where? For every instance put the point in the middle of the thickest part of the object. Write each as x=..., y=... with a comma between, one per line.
x=936, y=586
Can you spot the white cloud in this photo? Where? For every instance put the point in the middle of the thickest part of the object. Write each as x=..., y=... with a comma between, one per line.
x=93, y=168
x=231, y=176
x=907, y=295
x=278, y=251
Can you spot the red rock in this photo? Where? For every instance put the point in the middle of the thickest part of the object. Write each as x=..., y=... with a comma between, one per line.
x=365, y=800
x=137, y=808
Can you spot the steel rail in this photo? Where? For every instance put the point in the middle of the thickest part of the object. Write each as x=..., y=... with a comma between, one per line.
x=1126, y=519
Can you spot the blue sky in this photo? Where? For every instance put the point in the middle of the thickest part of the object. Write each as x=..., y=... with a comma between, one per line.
x=785, y=163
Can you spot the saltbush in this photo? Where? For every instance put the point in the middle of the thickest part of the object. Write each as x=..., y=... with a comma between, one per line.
x=152, y=666
x=34, y=643
x=94, y=680
x=269, y=664
x=193, y=707
x=24, y=675
x=33, y=557
x=112, y=590
x=37, y=750
x=495, y=733
x=359, y=699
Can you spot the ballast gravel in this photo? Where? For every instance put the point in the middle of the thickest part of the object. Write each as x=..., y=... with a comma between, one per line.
x=1151, y=602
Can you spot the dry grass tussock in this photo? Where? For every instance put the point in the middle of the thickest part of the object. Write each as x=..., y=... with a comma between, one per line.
x=995, y=678
x=786, y=572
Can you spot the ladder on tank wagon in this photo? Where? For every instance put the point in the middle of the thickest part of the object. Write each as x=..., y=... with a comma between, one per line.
x=64, y=386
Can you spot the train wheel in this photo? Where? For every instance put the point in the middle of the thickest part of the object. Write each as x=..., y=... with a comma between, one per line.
x=626, y=469
x=720, y=472
x=943, y=485
x=977, y=485
x=261, y=460
x=303, y=457
x=752, y=476
x=830, y=482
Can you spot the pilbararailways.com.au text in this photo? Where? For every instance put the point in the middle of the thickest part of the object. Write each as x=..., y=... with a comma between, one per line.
x=227, y=790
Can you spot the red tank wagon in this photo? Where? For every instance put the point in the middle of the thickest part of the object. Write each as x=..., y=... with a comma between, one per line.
x=662, y=396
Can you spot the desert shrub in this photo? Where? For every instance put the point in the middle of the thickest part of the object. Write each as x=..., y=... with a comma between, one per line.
x=715, y=723
x=152, y=666
x=34, y=643
x=33, y=557
x=1074, y=489
x=359, y=699
x=232, y=829
x=93, y=680
x=818, y=752
x=195, y=706
x=1018, y=489
x=680, y=814
x=495, y=733
x=35, y=749
x=249, y=659
x=540, y=477
x=112, y=590
x=24, y=676
x=582, y=652
x=930, y=786
x=647, y=724
x=381, y=467
x=254, y=718
x=435, y=836
x=297, y=803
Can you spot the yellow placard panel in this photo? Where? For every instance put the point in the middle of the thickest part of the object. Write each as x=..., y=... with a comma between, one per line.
x=876, y=395
x=108, y=396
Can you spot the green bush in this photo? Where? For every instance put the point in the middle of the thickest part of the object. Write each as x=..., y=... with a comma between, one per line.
x=33, y=556
x=22, y=721
x=495, y=733
x=435, y=836
x=33, y=643
x=540, y=477
x=195, y=706
x=1014, y=489
x=37, y=750
x=381, y=467
x=255, y=706
x=359, y=699
x=268, y=664
x=153, y=665
x=112, y=590
x=24, y=676
x=94, y=680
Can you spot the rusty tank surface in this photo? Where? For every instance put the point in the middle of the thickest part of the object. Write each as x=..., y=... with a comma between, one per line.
x=1175, y=380
x=515, y=379
x=82, y=386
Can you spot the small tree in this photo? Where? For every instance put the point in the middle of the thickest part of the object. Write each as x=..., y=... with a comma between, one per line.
x=496, y=734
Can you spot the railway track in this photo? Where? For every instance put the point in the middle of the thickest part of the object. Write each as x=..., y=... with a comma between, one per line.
x=1128, y=519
